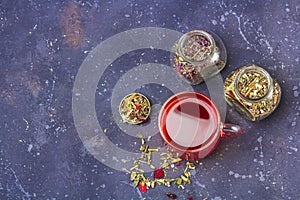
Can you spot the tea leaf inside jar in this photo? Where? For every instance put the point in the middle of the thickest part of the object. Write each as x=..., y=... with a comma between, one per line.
x=253, y=85
x=197, y=48
x=256, y=97
x=134, y=108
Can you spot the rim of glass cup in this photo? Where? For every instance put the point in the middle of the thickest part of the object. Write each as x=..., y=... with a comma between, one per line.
x=214, y=135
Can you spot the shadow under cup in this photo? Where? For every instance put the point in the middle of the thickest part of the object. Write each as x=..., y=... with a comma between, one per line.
x=190, y=125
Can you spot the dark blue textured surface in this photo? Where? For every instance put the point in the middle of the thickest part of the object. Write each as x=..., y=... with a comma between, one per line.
x=43, y=43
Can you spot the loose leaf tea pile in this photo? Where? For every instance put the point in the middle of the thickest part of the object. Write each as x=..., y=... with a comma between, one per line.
x=168, y=163
x=134, y=108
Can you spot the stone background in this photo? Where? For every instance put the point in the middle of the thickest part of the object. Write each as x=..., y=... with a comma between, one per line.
x=43, y=44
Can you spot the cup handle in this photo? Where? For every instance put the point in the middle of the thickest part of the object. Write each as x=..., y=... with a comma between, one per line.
x=230, y=130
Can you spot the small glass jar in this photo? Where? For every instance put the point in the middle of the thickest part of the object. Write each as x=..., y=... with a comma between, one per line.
x=252, y=92
x=135, y=108
x=199, y=55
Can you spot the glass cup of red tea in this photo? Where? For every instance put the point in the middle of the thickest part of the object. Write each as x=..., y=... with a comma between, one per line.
x=190, y=125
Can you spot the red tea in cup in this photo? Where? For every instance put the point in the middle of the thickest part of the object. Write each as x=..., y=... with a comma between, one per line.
x=190, y=124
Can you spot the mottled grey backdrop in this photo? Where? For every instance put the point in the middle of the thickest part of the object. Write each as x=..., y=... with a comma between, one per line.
x=42, y=46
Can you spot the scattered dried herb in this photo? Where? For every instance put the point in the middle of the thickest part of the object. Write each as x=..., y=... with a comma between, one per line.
x=190, y=165
x=134, y=108
x=159, y=173
x=171, y=195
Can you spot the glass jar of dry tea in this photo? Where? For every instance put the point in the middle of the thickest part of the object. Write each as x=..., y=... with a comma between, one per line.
x=134, y=108
x=199, y=55
x=252, y=92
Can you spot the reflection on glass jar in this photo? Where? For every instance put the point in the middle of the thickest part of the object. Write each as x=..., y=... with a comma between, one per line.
x=199, y=55
x=252, y=92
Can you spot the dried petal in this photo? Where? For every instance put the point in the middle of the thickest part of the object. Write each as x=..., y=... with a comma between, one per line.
x=159, y=173
x=143, y=187
x=137, y=106
x=171, y=195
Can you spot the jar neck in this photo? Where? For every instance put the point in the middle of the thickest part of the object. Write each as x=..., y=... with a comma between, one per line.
x=186, y=36
x=263, y=72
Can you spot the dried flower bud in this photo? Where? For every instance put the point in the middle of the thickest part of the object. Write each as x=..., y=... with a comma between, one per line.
x=143, y=187
x=159, y=173
x=171, y=196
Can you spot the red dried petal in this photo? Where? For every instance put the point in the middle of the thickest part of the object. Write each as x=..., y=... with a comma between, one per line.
x=159, y=173
x=137, y=107
x=191, y=198
x=179, y=164
x=171, y=196
x=143, y=187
